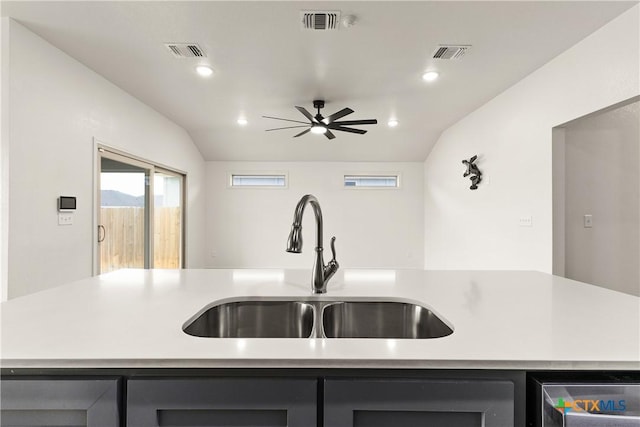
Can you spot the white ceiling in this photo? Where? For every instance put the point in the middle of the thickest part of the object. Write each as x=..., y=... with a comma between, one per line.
x=265, y=65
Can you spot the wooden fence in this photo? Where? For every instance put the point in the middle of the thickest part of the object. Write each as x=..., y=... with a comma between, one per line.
x=123, y=244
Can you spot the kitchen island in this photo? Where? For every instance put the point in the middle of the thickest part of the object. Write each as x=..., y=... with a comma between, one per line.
x=501, y=320
x=127, y=326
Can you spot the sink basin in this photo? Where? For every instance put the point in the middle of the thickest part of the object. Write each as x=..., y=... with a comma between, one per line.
x=326, y=317
x=254, y=319
x=381, y=319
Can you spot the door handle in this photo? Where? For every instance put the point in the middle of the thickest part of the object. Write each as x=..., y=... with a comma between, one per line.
x=104, y=233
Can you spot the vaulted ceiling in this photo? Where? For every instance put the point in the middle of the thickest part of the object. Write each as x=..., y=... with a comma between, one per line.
x=265, y=64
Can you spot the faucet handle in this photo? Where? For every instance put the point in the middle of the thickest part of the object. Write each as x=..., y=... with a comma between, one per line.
x=333, y=248
x=332, y=266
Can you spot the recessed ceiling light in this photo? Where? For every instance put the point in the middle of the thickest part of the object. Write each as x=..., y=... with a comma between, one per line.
x=430, y=76
x=242, y=122
x=318, y=129
x=204, y=70
x=392, y=123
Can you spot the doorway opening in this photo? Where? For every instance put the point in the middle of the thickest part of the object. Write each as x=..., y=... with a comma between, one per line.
x=596, y=198
x=140, y=213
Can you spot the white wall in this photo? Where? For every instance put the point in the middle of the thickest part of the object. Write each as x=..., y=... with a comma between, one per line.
x=603, y=180
x=512, y=134
x=559, y=195
x=57, y=107
x=373, y=228
x=4, y=159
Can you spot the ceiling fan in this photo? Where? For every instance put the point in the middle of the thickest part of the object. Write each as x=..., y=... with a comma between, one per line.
x=324, y=125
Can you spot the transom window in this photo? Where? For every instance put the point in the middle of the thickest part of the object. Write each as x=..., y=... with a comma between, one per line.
x=258, y=180
x=371, y=181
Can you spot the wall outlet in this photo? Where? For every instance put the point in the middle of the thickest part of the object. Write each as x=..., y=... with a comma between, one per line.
x=65, y=218
x=588, y=221
x=526, y=221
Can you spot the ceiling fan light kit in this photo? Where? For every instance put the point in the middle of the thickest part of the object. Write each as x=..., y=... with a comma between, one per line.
x=324, y=125
x=318, y=129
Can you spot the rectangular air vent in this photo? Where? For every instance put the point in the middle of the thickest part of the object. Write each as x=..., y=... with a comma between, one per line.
x=320, y=20
x=450, y=51
x=185, y=50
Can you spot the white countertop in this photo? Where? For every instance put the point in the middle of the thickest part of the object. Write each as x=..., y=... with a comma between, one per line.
x=501, y=320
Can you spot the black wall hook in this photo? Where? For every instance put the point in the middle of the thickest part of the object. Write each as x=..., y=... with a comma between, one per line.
x=472, y=169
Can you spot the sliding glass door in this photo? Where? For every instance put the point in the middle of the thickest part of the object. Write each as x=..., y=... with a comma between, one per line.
x=168, y=214
x=140, y=214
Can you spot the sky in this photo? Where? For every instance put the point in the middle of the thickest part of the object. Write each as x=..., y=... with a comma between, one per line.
x=129, y=183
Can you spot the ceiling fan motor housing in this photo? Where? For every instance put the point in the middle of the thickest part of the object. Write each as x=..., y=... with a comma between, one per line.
x=318, y=104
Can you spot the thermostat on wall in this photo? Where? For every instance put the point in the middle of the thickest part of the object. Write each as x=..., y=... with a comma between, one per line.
x=66, y=203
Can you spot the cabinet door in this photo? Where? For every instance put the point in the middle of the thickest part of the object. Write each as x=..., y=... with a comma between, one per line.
x=56, y=402
x=213, y=402
x=410, y=403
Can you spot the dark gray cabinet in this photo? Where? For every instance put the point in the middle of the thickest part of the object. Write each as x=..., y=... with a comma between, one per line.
x=353, y=402
x=213, y=402
x=295, y=399
x=59, y=402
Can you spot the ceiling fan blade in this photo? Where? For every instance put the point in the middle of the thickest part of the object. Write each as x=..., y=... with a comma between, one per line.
x=336, y=116
x=329, y=135
x=306, y=114
x=288, y=127
x=352, y=130
x=356, y=122
x=286, y=120
x=302, y=133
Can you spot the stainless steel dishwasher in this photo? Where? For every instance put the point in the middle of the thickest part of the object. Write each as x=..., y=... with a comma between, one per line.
x=610, y=402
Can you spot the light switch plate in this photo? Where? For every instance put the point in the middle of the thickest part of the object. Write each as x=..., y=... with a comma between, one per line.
x=588, y=221
x=65, y=218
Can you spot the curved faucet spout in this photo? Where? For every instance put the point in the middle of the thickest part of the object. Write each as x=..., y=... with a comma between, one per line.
x=321, y=273
x=294, y=244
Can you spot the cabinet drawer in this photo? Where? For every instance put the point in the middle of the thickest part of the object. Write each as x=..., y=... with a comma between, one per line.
x=408, y=403
x=59, y=402
x=213, y=402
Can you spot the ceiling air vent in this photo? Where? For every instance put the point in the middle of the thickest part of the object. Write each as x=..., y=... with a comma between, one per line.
x=185, y=50
x=450, y=51
x=320, y=20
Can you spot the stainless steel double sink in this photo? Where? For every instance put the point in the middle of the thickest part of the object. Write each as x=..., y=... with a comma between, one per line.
x=316, y=318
